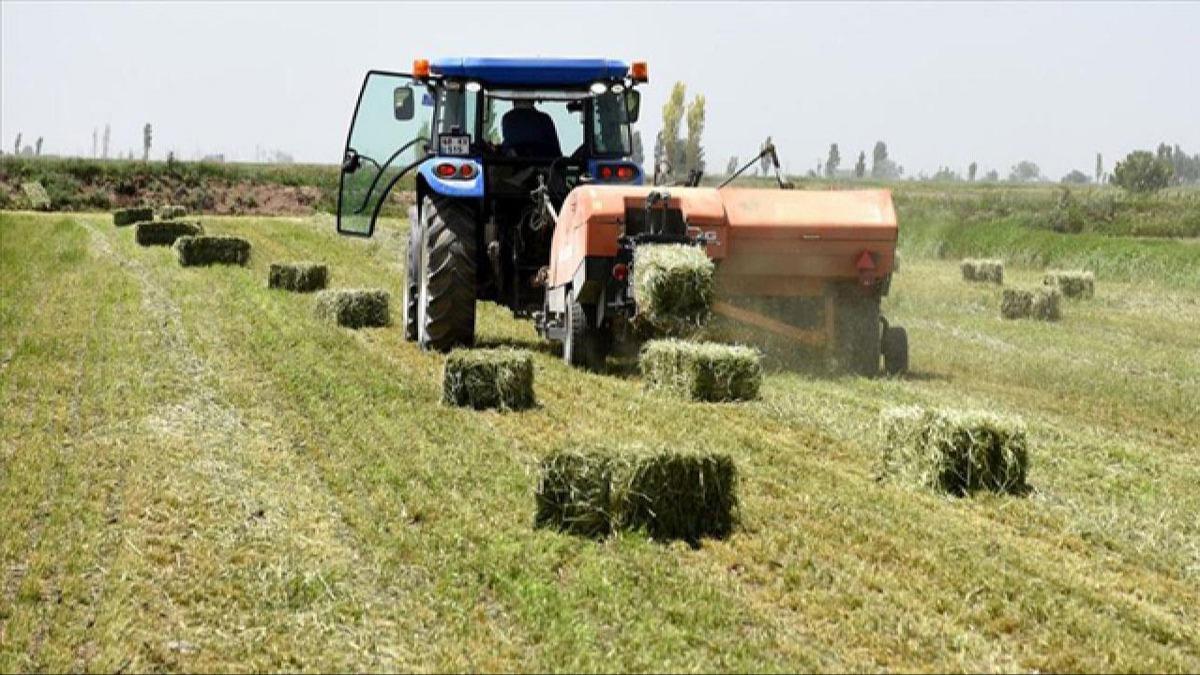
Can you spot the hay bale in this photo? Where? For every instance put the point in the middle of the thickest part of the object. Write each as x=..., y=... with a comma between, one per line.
x=674, y=495
x=172, y=211
x=1047, y=305
x=165, y=232
x=354, y=308
x=956, y=452
x=123, y=217
x=574, y=494
x=988, y=270
x=1080, y=284
x=673, y=286
x=39, y=199
x=1041, y=303
x=488, y=378
x=702, y=371
x=202, y=250
x=668, y=494
x=1016, y=303
x=302, y=277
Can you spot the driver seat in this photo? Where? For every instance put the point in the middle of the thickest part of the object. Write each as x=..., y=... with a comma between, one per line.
x=529, y=132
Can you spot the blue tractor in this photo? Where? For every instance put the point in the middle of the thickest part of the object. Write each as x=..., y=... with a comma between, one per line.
x=494, y=146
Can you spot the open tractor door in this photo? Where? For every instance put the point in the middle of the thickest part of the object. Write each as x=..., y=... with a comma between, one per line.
x=388, y=138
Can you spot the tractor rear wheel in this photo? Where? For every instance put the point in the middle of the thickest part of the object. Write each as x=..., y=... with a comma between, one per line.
x=895, y=350
x=584, y=346
x=412, y=280
x=447, y=262
x=858, y=339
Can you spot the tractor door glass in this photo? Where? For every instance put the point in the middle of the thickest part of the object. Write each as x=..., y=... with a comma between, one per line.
x=458, y=111
x=610, y=128
x=384, y=141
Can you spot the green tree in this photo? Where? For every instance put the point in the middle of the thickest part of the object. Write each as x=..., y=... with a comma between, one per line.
x=833, y=161
x=1099, y=167
x=694, y=151
x=1076, y=176
x=17, y=144
x=881, y=165
x=147, y=140
x=971, y=170
x=732, y=166
x=992, y=176
x=672, y=115
x=1142, y=171
x=104, y=146
x=37, y=148
x=1024, y=172
x=860, y=167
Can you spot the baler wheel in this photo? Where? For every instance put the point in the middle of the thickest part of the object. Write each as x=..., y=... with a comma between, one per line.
x=858, y=338
x=895, y=350
x=447, y=296
x=412, y=281
x=584, y=346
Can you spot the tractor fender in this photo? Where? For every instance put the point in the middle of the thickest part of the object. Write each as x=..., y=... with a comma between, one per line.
x=455, y=187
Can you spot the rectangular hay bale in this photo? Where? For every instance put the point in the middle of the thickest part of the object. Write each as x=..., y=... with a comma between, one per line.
x=955, y=452
x=302, y=277
x=165, y=232
x=172, y=211
x=1079, y=284
x=667, y=494
x=673, y=286
x=488, y=378
x=139, y=214
x=209, y=250
x=702, y=371
x=986, y=269
x=1041, y=303
x=354, y=308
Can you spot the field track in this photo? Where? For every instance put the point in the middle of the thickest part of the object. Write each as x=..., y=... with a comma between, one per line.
x=199, y=475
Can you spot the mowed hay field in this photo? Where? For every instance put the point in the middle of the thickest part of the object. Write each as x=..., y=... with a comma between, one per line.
x=198, y=474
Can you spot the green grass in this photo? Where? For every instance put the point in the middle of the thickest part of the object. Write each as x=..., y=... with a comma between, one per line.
x=199, y=475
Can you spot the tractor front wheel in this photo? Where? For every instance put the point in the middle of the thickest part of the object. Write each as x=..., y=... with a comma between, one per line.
x=583, y=346
x=895, y=350
x=447, y=267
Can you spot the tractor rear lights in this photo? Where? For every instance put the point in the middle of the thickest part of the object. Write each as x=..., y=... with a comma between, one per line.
x=464, y=171
x=617, y=172
x=638, y=72
x=620, y=272
x=866, y=269
x=421, y=69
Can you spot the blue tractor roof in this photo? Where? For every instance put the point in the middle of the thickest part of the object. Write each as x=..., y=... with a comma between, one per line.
x=531, y=72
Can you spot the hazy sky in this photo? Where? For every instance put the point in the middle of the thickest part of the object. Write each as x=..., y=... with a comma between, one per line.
x=942, y=84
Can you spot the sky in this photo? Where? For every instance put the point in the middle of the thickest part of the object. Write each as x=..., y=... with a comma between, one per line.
x=943, y=84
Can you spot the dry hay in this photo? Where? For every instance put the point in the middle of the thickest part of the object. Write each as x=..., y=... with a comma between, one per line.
x=488, y=378
x=302, y=277
x=202, y=250
x=354, y=308
x=953, y=451
x=975, y=269
x=702, y=371
x=140, y=214
x=1041, y=303
x=666, y=493
x=1079, y=284
x=673, y=286
x=172, y=211
x=165, y=232
x=39, y=199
